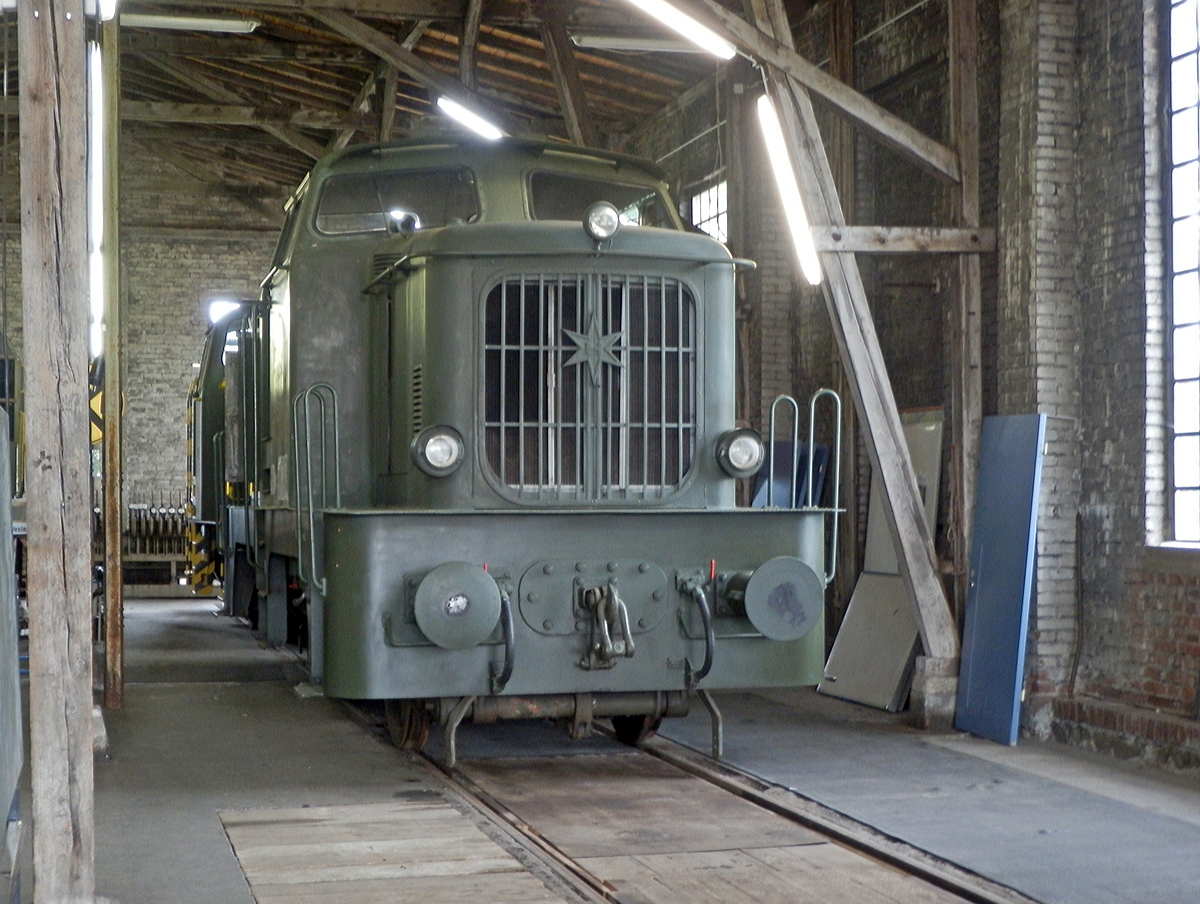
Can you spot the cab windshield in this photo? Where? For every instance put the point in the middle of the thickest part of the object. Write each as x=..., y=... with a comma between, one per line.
x=563, y=196
x=413, y=199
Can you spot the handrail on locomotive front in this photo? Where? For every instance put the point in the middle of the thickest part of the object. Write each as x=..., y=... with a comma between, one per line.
x=810, y=502
x=831, y=569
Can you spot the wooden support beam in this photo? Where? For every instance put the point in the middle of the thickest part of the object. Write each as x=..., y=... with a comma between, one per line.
x=506, y=13
x=904, y=239
x=388, y=86
x=854, y=329
x=114, y=570
x=844, y=160
x=407, y=62
x=51, y=42
x=189, y=76
x=565, y=71
x=415, y=34
x=966, y=339
x=238, y=115
x=892, y=131
x=241, y=48
x=358, y=107
x=386, y=83
x=404, y=9
x=227, y=115
x=469, y=44
x=841, y=67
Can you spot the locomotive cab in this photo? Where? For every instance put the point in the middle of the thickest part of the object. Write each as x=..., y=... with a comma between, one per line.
x=496, y=450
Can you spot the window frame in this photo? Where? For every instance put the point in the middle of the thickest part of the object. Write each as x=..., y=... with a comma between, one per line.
x=721, y=189
x=1181, y=161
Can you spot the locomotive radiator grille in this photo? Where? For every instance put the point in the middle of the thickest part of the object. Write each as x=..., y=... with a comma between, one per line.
x=589, y=386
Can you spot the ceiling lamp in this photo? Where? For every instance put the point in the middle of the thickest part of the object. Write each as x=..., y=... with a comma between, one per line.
x=589, y=40
x=191, y=23
x=469, y=118
x=789, y=191
x=703, y=37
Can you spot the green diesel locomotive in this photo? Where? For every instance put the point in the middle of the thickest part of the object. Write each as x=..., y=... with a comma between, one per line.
x=474, y=447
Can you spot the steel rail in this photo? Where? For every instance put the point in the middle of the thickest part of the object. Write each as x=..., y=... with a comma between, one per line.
x=837, y=826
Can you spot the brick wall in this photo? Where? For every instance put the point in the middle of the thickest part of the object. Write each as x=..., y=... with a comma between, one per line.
x=1141, y=637
x=169, y=284
x=183, y=243
x=1039, y=326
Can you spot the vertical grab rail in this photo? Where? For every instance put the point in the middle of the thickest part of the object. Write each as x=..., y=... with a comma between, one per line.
x=831, y=568
x=302, y=427
x=250, y=450
x=795, y=451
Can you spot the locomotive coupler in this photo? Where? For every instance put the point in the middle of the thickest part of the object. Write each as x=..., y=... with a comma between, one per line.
x=609, y=637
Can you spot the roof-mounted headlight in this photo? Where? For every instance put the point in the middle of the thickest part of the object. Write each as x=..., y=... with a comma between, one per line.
x=740, y=452
x=601, y=221
x=439, y=450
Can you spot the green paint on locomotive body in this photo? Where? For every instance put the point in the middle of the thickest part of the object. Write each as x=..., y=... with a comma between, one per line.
x=589, y=382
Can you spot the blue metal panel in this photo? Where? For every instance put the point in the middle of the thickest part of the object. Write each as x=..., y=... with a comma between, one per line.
x=783, y=476
x=997, y=617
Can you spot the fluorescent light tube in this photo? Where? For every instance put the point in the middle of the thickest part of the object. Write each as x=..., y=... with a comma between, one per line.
x=703, y=37
x=191, y=23
x=469, y=118
x=591, y=40
x=789, y=191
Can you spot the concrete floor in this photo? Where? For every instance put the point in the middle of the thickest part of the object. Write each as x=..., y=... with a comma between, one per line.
x=1053, y=822
x=213, y=721
x=189, y=744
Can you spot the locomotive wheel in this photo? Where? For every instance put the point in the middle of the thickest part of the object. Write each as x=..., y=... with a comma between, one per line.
x=407, y=723
x=633, y=729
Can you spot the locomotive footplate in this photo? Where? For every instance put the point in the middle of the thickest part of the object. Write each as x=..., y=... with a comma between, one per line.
x=411, y=613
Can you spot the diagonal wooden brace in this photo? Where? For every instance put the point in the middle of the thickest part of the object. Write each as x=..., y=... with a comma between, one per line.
x=858, y=343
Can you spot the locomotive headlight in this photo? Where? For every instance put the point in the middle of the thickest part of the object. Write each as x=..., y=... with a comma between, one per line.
x=438, y=451
x=740, y=453
x=601, y=221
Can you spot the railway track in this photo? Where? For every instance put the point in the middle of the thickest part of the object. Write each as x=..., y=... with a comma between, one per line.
x=662, y=823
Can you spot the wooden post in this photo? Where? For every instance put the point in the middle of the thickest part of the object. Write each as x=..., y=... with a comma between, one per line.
x=966, y=317
x=859, y=346
x=841, y=67
x=472, y=16
x=53, y=105
x=114, y=570
x=388, y=86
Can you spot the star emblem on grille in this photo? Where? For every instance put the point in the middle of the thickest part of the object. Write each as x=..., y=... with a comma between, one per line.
x=594, y=349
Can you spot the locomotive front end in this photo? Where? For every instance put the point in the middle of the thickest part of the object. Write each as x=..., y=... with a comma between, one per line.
x=555, y=529
x=478, y=454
